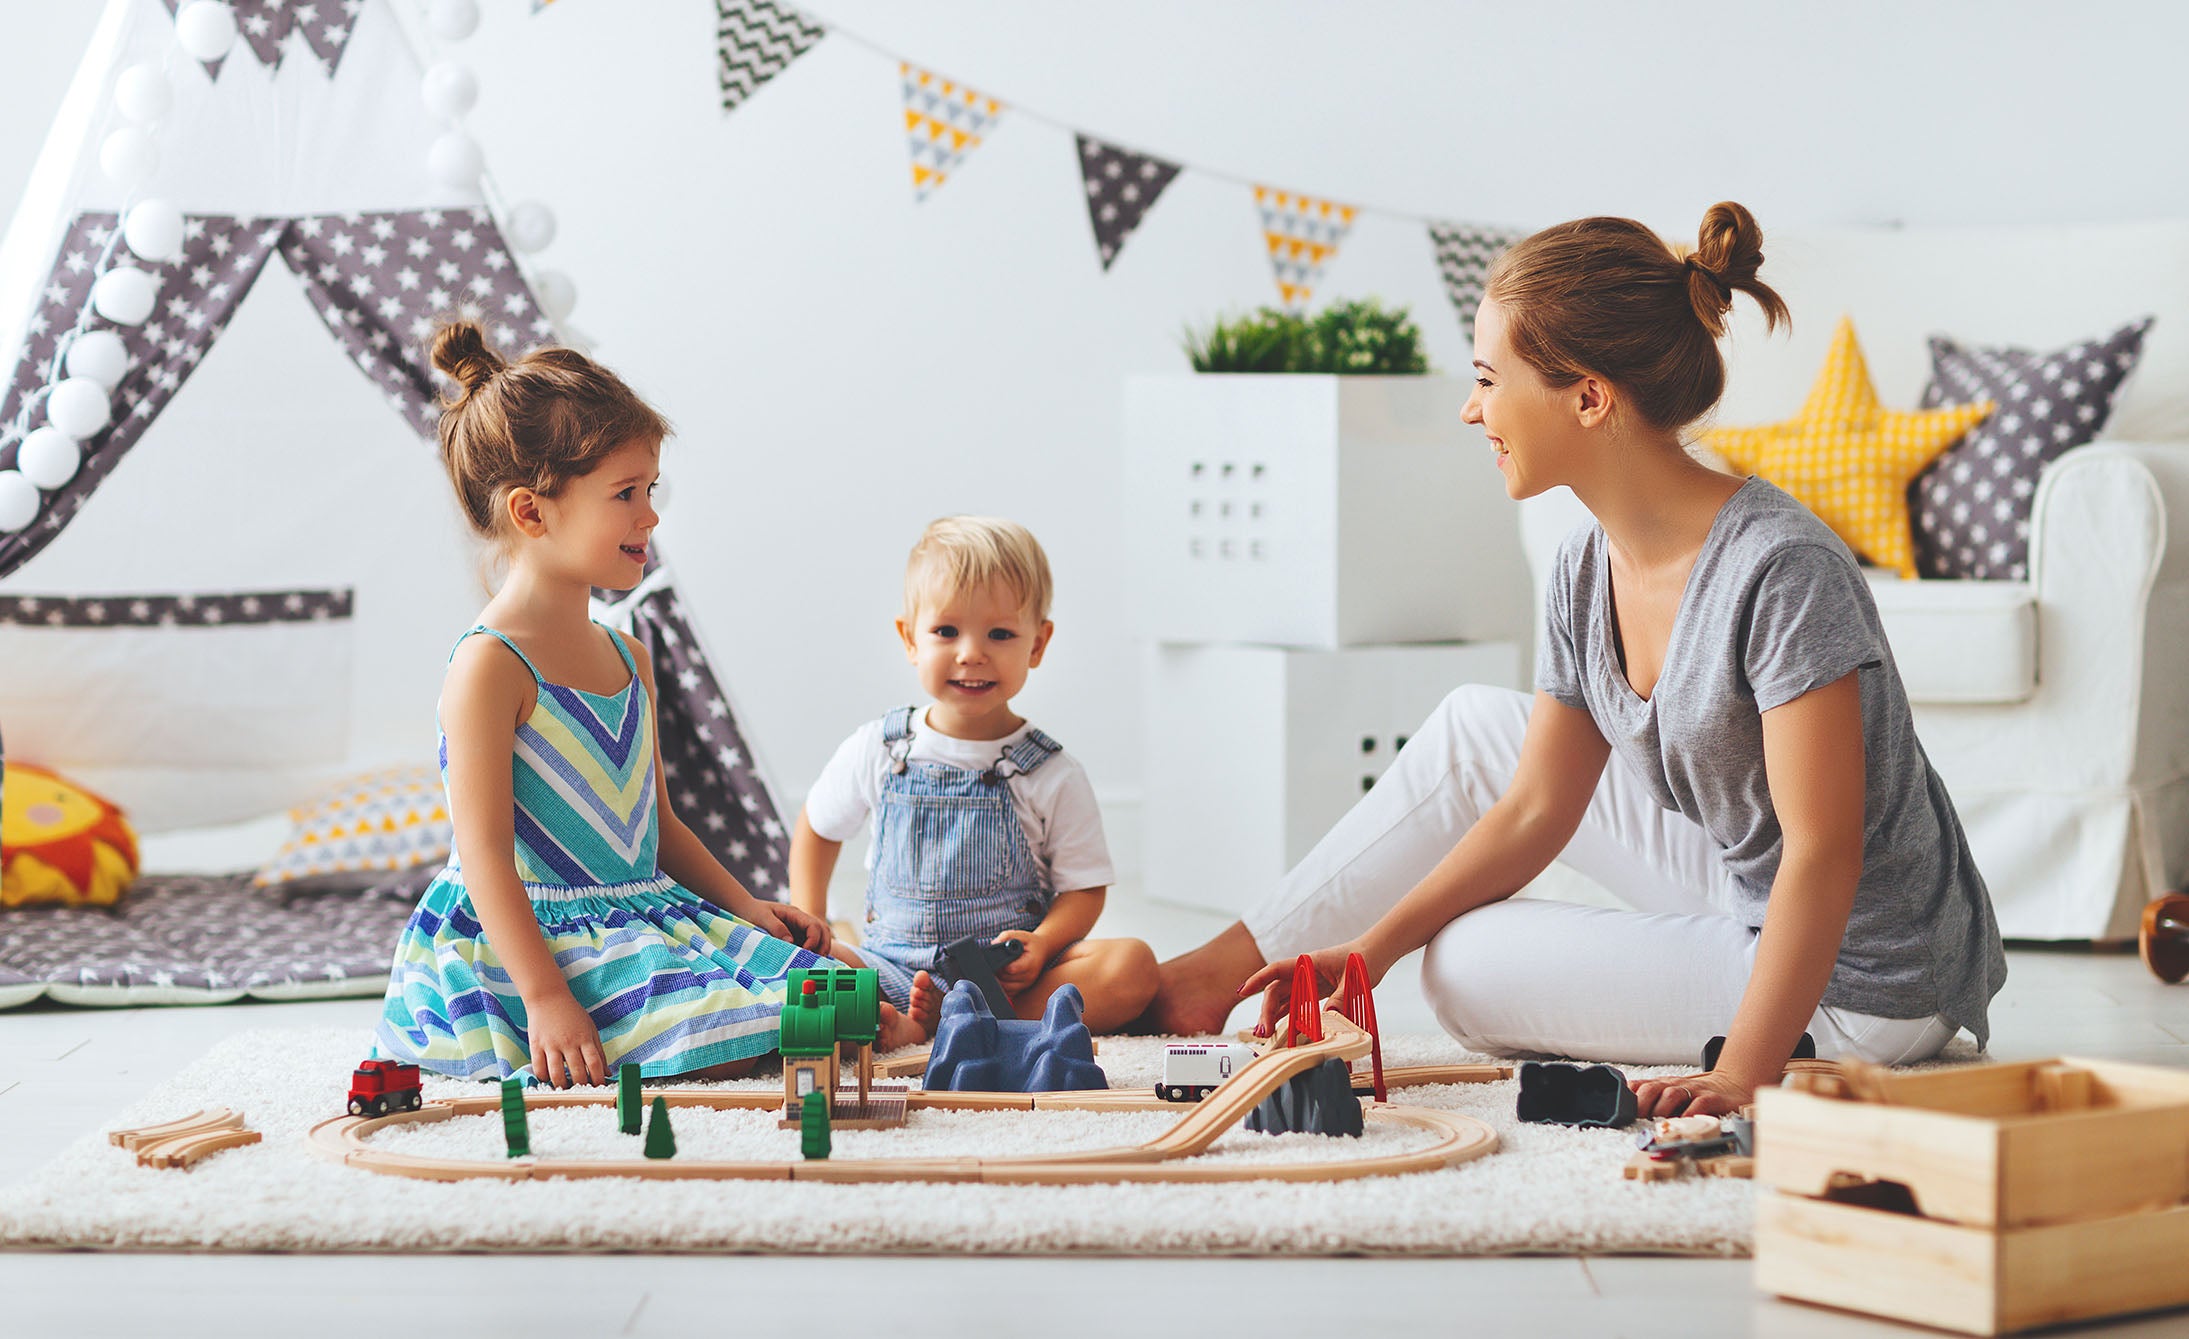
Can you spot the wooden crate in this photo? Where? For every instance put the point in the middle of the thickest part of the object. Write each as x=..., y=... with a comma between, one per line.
x=1988, y=1199
x=1993, y=1145
x=1969, y=1278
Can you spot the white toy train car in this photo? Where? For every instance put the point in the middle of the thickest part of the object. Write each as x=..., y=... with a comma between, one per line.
x=1191, y=1070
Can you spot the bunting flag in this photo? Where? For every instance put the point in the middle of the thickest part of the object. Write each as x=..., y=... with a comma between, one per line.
x=756, y=40
x=1465, y=252
x=1303, y=234
x=264, y=25
x=943, y=122
x=1121, y=187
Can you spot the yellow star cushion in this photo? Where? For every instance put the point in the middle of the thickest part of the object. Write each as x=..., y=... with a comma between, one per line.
x=1847, y=457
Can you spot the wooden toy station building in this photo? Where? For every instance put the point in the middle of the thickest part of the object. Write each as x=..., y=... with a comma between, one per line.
x=832, y=1012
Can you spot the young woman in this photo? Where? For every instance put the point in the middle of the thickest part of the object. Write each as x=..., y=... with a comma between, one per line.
x=1718, y=735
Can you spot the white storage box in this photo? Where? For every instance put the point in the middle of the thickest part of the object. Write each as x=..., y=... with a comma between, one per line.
x=1254, y=752
x=1316, y=511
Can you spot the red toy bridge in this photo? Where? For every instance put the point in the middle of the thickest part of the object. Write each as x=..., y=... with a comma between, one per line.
x=1354, y=1000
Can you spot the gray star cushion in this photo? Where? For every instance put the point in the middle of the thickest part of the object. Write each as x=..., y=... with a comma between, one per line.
x=1971, y=507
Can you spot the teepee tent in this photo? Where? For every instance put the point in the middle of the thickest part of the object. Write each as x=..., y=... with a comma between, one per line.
x=230, y=567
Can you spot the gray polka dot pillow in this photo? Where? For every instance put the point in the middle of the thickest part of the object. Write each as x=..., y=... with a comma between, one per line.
x=1971, y=507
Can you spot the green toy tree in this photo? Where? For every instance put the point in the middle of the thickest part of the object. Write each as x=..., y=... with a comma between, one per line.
x=630, y=1107
x=660, y=1139
x=514, y=1127
x=813, y=1129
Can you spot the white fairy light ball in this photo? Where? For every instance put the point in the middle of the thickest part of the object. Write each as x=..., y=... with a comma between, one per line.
x=129, y=156
x=453, y=20
x=125, y=296
x=154, y=230
x=100, y=355
x=205, y=29
x=49, y=457
x=455, y=160
x=531, y=227
x=78, y=406
x=449, y=90
x=19, y=501
x=556, y=293
x=143, y=93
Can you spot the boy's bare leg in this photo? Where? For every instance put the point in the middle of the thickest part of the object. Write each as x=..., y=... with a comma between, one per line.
x=900, y=1027
x=1196, y=991
x=1116, y=977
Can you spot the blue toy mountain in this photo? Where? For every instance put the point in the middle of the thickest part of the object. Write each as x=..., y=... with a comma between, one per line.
x=975, y=1051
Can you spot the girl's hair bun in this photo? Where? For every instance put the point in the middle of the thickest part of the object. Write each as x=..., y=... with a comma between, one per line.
x=460, y=349
x=1728, y=254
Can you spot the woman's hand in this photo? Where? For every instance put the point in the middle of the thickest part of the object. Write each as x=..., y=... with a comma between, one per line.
x=1019, y=973
x=1714, y=1094
x=565, y=1045
x=1275, y=982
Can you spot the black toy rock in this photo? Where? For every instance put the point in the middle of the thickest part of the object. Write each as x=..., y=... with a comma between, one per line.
x=1553, y=1092
x=1320, y=1101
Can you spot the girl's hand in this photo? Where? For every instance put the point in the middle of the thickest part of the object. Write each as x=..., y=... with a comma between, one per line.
x=792, y=925
x=565, y=1045
x=1019, y=973
x=1275, y=982
x=1714, y=1094
x=803, y=928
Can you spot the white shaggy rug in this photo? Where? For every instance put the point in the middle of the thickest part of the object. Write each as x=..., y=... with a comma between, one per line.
x=1547, y=1189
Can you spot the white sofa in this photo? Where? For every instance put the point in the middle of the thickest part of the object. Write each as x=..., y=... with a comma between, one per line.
x=2056, y=709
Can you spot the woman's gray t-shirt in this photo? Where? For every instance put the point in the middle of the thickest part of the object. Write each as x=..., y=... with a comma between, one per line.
x=1774, y=607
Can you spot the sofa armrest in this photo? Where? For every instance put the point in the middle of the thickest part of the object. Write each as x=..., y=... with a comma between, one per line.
x=2109, y=564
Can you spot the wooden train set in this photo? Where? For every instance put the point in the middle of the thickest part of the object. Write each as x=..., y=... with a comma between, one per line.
x=1314, y=1035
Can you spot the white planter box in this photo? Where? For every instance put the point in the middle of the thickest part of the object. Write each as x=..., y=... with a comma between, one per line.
x=1316, y=511
x=1254, y=752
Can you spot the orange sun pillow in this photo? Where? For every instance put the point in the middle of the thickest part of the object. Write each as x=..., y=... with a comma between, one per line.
x=60, y=843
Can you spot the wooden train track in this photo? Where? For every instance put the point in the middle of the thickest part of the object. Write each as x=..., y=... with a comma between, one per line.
x=1167, y=1157
x=181, y=1143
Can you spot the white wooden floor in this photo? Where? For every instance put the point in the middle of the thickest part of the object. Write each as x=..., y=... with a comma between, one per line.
x=63, y=1071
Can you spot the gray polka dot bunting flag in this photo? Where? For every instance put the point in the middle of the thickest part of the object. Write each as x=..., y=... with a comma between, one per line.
x=209, y=610
x=1121, y=187
x=1970, y=510
x=1465, y=252
x=756, y=40
x=264, y=26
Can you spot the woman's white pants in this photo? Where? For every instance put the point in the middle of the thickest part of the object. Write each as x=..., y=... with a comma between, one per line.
x=1518, y=976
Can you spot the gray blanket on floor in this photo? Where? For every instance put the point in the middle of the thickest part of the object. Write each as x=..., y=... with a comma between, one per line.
x=197, y=939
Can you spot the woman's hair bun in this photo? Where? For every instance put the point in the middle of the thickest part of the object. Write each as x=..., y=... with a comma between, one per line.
x=460, y=349
x=1728, y=255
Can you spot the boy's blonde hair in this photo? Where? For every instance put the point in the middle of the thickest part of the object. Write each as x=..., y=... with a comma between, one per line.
x=961, y=553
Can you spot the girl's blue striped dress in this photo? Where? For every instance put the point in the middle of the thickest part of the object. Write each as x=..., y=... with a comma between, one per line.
x=673, y=982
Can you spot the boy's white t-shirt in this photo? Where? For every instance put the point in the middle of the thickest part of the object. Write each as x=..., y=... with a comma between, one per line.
x=1055, y=802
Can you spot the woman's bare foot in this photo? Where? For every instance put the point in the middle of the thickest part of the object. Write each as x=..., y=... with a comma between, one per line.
x=915, y=1027
x=1196, y=991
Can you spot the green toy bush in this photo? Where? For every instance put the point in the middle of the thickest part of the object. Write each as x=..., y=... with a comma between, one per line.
x=1360, y=338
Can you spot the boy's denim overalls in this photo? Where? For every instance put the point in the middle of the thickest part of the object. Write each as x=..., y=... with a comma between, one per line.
x=950, y=857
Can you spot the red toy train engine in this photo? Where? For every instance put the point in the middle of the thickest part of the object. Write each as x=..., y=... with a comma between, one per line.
x=381, y=1086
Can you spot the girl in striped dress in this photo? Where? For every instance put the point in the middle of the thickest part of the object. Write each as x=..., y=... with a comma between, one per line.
x=580, y=925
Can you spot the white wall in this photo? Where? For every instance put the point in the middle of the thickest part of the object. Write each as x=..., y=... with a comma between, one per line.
x=844, y=364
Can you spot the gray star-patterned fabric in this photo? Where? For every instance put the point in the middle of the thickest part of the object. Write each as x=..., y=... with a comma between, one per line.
x=263, y=25
x=1121, y=188
x=382, y=282
x=1465, y=252
x=714, y=785
x=243, y=608
x=220, y=261
x=1970, y=510
x=208, y=939
x=756, y=40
